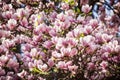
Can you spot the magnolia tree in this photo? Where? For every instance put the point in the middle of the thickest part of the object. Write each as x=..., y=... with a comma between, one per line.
x=58, y=40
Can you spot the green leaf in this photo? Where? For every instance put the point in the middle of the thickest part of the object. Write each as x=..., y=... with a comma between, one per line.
x=72, y=2
x=66, y=1
x=36, y=70
x=76, y=9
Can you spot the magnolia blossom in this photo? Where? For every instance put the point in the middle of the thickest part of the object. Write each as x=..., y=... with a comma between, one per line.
x=87, y=40
x=73, y=68
x=94, y=23
x=56, y=54
x=12, y=23
x=2, y=71
x=7, y=43
x=80, y=19
x=52, y=32
x=51, y=40
x=12, y=64
x=61, y=17
x=61, y=65
x=86, y=8
x=51, y=63
x=21, y=12
x=43, y=67
x=24, y=22
x=65, y=6
x=91, y=66
x=88, y=29
x=22, y=74
x=47, y=44
x=7, y=14
x=104, y=64
x=41, y=28
x=3, y=59
x=34, y=52
x=82, y=2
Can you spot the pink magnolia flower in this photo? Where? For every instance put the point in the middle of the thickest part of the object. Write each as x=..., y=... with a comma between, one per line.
x=80, y=19
x=91, y=66
x=54, y=40
x=69, y=63
x=111, y=47
x=78, y=31
x=73, y=52
x=12, y=23
x=106, y=37
x=15, y=16
x=61, y=65
x=70, y=34
x=116, y=59
x=88, y=29
x=31, y=65
x=87, y=40
x=104, y=64
x=22, y=12
x=47, y=44
x=1, y=49
x=107, y=48
x=3, y=59
x=72, y=42
x=52, y=32
x=4, y=33
x=7, y=14
x=65, y=25
x=38, y=62
x=24, y=22
x=83, y=2
x=51, y=4
x=50, y=62
x=53, y=16
x=22, y=74
x=65, y=51
x=105, y=55
x=86, y=8
x=7, y=43
x=43, y=67
x=73, y=68
x=116, y=46
x=41, y=28
x=94, y=23
x=37, y=38
x=7, y=7
x=61, y=17
x=42, y=54
x=56, y=54
x=2, y=72
x=12, y=64
x=59, y=43
x=32, y=17
x=70, y=12
x=34, y=52
x=65, y=6
x=92, y=48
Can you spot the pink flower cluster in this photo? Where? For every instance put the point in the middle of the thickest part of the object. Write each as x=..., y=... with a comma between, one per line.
x=51, y=42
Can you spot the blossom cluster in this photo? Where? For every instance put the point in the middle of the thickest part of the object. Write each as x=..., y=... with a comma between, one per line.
x=48, y=42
